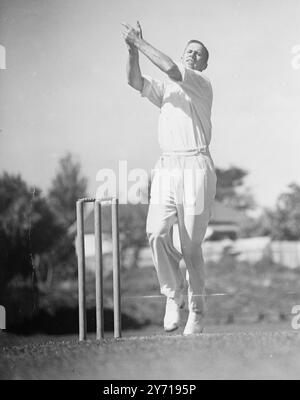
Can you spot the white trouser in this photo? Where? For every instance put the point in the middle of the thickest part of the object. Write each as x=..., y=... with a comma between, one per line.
x=182, y=191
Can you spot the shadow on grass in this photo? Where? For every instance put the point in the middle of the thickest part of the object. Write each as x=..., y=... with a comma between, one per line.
x=65, y=321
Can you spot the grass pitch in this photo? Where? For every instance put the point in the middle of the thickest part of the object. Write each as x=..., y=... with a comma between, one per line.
x=240, y=354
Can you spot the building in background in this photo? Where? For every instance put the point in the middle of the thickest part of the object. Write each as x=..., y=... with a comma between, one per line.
x=225, y=222
x=222, y=237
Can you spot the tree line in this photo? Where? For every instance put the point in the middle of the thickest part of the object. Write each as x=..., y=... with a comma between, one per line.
x=34, y=228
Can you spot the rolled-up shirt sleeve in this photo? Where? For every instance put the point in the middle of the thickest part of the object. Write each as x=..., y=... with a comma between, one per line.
x=192, y=80
x=153, y=90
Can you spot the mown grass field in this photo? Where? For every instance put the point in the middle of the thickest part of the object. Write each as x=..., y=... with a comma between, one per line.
x=248, y=332
x=245, y=352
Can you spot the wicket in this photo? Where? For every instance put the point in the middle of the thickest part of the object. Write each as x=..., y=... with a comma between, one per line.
x=114, y=202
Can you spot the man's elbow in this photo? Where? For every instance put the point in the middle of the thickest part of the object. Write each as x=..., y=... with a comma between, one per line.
x=135, y=84
x=174, y=73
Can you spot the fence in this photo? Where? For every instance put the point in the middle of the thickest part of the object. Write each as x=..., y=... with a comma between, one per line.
x=286, y=253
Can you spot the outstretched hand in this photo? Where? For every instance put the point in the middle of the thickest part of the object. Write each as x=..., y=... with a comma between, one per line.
x=139, y=29
x=131, y=35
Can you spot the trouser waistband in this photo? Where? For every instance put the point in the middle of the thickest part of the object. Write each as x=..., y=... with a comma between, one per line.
x=190, y=152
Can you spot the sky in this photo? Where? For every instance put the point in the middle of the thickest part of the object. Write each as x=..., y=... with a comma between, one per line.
x=64, y=88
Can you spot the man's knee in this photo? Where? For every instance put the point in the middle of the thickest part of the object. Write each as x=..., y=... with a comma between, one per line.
x=192, y=253
x=156, y=233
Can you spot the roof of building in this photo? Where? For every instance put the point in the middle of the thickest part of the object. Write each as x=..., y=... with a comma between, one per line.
x=224, y=214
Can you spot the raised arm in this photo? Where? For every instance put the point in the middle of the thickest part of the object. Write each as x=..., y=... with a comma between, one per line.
x=162, y=61
x=134, y=76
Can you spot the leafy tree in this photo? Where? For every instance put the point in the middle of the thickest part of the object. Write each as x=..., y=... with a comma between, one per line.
x=256, y=226
x=132, y=229
x=283, y=223
x=67, y=187
x=280, y=223
x=231, y=189
x=28, y=228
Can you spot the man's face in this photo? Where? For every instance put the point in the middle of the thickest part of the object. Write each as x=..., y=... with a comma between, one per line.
x=194, y=57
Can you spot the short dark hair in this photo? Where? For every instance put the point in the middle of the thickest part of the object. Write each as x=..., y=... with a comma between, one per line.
x=206, y=53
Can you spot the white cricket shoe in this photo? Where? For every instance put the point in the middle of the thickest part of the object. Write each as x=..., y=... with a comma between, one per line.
x=194, y=324
x=172, y=314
